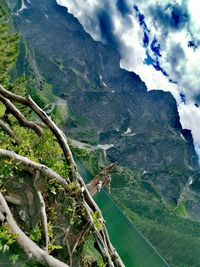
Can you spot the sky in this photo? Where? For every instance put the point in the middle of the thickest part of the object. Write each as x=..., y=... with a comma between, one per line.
x=159, y=40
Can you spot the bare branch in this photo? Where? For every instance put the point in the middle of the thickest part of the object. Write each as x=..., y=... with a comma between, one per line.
x=62, y=140
x=69, y=252
x=81, y=237
x=13, y=200
x=32, y=166
x=9, y=131
x=42, y=210
x=2, y=217
x=100, y=180
x=101, y=244
x=19, y=116
x=44, y=219
x=11, y=96
x=31, y=249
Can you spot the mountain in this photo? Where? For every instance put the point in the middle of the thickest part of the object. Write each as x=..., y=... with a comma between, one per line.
x=101, y=104
x=47, y=214
x=108, y=101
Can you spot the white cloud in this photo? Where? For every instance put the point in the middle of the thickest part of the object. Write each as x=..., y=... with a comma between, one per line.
x=178, y=60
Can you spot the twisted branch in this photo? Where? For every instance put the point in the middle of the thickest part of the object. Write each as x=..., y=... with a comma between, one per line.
x=19, y=116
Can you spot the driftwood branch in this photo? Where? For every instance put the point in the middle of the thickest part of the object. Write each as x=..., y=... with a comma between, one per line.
x=100, y=180
x=30, y=248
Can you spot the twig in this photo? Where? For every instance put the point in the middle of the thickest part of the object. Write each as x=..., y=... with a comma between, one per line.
x=43, y=219
x=81, y=236
x=9, y=131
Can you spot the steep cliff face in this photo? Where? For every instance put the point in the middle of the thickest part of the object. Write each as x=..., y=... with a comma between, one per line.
x=106, y=104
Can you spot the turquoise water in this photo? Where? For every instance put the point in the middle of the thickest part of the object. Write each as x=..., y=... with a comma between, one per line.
x=133, y=248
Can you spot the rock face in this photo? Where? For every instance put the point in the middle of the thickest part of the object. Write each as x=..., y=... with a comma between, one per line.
x=108, y=105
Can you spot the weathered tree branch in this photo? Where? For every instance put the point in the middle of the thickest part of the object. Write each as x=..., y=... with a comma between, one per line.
x=62, y=140
x=44, y=219
x=11, y=96
x=102, y=179
x=9, y=131
x=32, y=166
x=42, y=209
x=102, y=246
x=19, y=116
x=30, y=248
x=66, y=242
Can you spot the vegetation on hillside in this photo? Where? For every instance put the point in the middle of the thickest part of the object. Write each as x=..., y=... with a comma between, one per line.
x=168, y=227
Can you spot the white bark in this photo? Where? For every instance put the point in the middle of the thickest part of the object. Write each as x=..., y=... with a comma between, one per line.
x=44, y=219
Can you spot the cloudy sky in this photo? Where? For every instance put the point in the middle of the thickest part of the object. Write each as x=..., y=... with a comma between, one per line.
x=159, y=40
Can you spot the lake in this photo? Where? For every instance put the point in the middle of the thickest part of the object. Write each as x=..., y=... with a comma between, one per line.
x=133, y=248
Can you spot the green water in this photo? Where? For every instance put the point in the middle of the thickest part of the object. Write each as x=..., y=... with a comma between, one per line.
x=133, y=248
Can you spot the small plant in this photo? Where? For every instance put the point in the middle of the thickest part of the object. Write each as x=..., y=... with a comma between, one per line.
x=96, y=217
x=35, y=234
x=6, y=238
x=52, y=242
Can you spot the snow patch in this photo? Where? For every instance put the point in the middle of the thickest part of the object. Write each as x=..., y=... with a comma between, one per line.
x=128, y=132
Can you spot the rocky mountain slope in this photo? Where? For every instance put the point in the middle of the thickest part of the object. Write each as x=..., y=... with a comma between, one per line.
x=106, y=105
